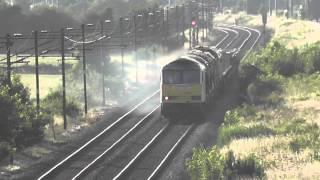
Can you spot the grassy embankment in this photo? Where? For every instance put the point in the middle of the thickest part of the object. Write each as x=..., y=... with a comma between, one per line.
x=47, y=81
x=276, y=134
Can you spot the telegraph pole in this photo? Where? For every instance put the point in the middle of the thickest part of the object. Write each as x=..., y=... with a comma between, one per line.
x=177, y=23
x=135, y=45
x=206, y=22
x=270, y=8
x=84, y=69
x=63, y=81
x=102, y=65
x=190, y=36
x=276, y=6
x=36, y=55
x=167, y=27
x=121, y=44
x=291, y=8
x=191, y=29
x=8, y=45
x=183, y=22
x=197, y=28
x=203, y=20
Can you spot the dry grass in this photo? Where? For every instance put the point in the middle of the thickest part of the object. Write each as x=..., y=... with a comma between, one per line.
x=47, y=82
x=282, y=163
x=309, y=109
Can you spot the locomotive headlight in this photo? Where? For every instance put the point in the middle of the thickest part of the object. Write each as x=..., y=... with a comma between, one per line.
x=166, y=98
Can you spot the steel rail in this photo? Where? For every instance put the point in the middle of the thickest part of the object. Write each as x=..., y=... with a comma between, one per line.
x=255, y=42
x=92, y=163
x=47, y=173
x=246, y=39
x=174, y=147
x=140, y=153
x=225, y=37
x=233, y=39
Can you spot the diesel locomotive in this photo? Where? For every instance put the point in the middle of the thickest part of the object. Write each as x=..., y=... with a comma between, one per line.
x=190, y=83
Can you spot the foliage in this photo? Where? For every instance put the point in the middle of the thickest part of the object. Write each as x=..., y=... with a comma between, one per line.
x=211, y=164
x=227, y=133
x=231, y=118
x=277, y=59
x=303, y=86
x=276, y=63
x=265, y=89
x=247, y=166
x=52, y=104
x=310, y=138
x=205, y=164
x=19, y=124
x=294, y=126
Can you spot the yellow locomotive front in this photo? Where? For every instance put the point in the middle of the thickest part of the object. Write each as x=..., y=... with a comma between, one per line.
x=182, y=88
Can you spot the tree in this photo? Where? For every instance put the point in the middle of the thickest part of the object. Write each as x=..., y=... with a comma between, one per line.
x=19, y=124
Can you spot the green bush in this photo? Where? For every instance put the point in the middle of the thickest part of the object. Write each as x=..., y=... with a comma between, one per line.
x=211, y=164
x=290, y=64
x=19, y=124
x=231, y=118
x=311, y=56
x=277, y=59
x=52, y=104
x=227, y=133
x=265, y=90
x=205, y=164
x=303, y=86
x=309, y=139
x=295, y=126
x=247, y=166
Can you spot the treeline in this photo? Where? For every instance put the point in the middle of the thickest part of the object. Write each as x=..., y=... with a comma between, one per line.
x=14, y=19
x=21, y=19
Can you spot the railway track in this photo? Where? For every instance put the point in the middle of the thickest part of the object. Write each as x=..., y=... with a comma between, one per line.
x=247, y=41
x=106, y=139
x=149, y=165
x=139, y=139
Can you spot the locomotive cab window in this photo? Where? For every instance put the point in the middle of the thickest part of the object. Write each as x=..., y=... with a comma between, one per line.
x=181, y=77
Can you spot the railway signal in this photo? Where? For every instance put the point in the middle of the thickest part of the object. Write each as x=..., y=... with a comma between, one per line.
x=194, y=24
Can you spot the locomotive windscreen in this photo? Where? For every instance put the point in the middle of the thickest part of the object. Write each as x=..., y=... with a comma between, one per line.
x=181, y=77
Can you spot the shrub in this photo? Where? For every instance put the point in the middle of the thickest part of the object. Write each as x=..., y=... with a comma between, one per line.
x=214, y=165
x=277, y=59
x=227, y=133
x=205, y=164
x=19, y=124
x=309, y=139
x=263, y=90
x=231, y=118
x=289, y=64
x=295, y=126
x=311, y=56
x=247, y=166
x=52, y=104
x=303, y=87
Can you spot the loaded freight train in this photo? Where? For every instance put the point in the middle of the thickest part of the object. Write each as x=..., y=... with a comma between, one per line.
x=189, y=83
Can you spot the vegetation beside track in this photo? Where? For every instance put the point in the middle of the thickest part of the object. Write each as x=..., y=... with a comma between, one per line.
x=277, y=125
